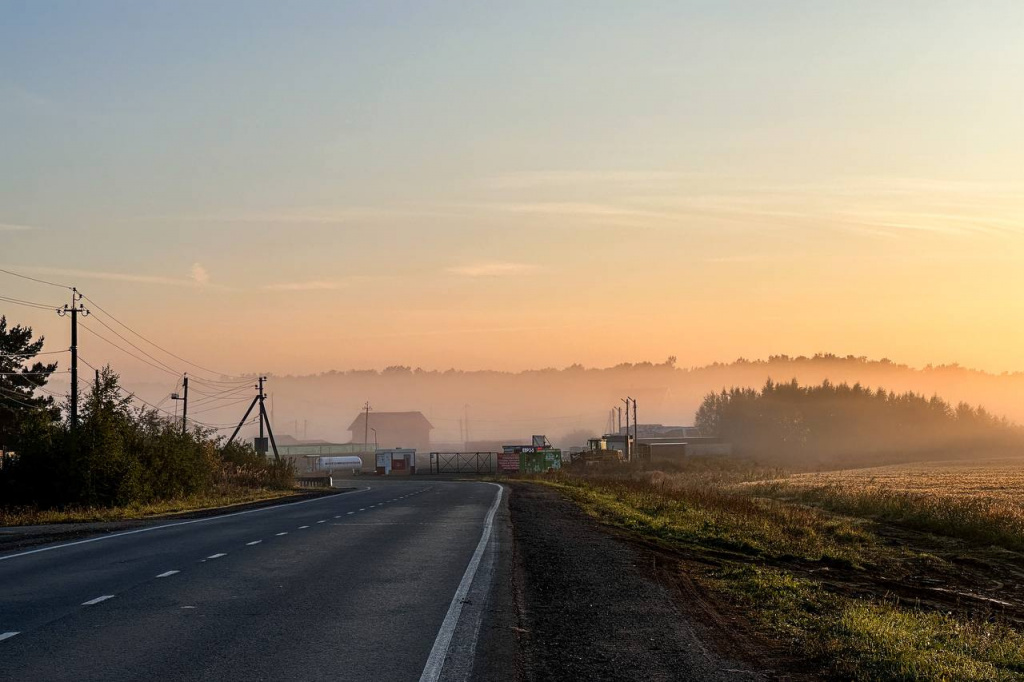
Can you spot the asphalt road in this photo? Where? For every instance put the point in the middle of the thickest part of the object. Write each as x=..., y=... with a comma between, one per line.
x=367, y=585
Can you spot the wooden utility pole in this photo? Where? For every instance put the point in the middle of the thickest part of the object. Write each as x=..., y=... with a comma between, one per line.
x=264, y=418
x=636, y=427
x=629, y=450
x=184, y=411
x=74, y=310
x=366, y=424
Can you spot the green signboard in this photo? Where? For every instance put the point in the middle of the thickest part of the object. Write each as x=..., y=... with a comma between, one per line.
x=540, y=461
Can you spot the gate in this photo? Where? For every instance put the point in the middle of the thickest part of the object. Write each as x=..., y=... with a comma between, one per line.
x=463, y=462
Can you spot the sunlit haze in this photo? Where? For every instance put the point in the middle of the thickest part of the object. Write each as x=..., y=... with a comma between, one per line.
x=295, y=188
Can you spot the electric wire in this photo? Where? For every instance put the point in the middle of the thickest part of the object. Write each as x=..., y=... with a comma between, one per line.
x=120, y=336
x=127, y=352
x=36, y=279
x=155, y=345
x=28, y=304
x=32, y=355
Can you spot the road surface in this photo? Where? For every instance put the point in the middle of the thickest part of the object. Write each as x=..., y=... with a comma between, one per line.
x=366, y=585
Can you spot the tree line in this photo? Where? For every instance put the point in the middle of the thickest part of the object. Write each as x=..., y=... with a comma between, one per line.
x=830, y=425
x=118, y=454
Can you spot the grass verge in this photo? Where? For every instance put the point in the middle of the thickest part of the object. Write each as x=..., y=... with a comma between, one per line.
x=193, y=503
x=757, y=543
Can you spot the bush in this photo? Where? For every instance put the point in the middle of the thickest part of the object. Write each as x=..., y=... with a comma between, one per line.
x=121, y=456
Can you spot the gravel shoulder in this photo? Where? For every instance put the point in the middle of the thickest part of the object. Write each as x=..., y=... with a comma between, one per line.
x=573, y=600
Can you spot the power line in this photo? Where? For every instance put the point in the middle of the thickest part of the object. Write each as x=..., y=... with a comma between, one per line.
x=28, y=304
x=127, y=352
x=35, y=279
x=15, y=400
x=178, y=357
x=115, y=333
x=32, y=355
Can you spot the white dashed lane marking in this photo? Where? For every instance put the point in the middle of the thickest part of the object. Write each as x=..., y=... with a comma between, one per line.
x=216, y=556
x=350, y=513
x=254, y=542
x=322, y=521
x=363, y=509
x=7, y=635
x=284, y=533
x=167, y=574
x=97, y=600
x=301, y=527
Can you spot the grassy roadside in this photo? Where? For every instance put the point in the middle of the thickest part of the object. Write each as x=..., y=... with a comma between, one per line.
x=757, y=544
x=193, y=503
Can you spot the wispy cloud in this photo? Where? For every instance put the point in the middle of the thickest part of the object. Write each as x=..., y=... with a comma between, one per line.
x=10, y=227
x=199, y=274
x=73, y=274
x=307, y=215
x=491, y=269
x=315, y=285
x=569, y=178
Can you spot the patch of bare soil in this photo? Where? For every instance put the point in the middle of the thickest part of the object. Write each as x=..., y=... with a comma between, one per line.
x=939, y=573
x=595, y=605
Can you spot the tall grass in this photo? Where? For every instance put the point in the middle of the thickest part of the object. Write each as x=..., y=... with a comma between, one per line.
x=706, y=509
x=974, y=518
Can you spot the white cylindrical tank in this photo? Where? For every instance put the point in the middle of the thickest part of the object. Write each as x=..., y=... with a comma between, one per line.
x=341, y=463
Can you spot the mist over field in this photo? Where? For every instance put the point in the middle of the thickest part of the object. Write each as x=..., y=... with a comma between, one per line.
x=514, y=405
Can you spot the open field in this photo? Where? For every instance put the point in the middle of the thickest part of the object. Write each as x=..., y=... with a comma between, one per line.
x=981, y=501
x=852, y=572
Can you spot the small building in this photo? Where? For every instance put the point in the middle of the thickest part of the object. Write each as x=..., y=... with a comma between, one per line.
x=393, y=430
x=399, y=461
x=672, y=449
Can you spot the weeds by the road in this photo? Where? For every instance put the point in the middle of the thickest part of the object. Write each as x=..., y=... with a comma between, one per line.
x=765, y=546
x=713, y=516
x=881, y=640
x=28, y=517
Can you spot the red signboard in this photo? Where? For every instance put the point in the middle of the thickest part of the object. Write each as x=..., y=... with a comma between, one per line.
x=508, y=462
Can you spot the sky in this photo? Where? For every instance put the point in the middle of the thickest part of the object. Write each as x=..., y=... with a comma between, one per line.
x=299, y=187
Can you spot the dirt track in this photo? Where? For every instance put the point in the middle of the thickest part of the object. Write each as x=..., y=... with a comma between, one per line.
x=585, y=605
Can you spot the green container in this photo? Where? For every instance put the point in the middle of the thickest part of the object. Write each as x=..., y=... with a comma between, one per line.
x=540, y=461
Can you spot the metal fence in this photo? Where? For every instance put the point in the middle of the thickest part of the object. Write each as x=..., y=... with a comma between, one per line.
x=314, y=481
x=463, y=462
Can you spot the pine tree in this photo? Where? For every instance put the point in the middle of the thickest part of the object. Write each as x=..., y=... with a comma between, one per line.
x=19, y=379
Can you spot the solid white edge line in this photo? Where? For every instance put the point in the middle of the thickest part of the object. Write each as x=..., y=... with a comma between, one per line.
x=167, y=574
x=179, y=523
x=435, y=662
x=97, y=600
x=7, y=635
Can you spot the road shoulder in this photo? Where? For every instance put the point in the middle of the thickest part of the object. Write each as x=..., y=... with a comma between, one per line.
x=573, y=600
x=13, y=538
